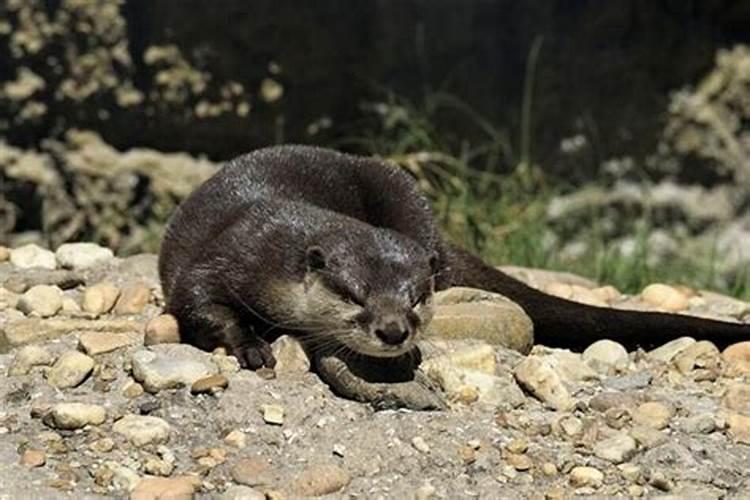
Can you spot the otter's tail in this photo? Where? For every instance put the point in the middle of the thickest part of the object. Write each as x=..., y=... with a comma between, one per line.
x=564, y=323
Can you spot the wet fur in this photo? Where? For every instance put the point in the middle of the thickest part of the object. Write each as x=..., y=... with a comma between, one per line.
x=234, y=262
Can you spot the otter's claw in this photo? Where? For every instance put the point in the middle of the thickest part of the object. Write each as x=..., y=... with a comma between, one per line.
x=254, y=354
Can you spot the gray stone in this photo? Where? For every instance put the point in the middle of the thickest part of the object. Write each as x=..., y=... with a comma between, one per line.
x=28, y=357
x=540, y=379
x=74, y=415
x=93, y=343
x=291, y=358
x=166, y=366
x=668, y=351
x=142, y=429
x=81, y=255
x=240, y=492
x=616, y=449
x=606, y=357
x=32, y=255
x=70, y=370
x=41, y=300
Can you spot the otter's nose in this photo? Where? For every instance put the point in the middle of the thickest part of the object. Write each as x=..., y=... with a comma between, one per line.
x=392, y=333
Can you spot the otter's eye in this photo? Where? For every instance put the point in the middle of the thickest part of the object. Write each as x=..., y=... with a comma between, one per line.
x=350, y=298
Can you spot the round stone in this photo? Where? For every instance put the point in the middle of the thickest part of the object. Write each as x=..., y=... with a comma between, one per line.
x=74, y=415
x=32, y=255
x=81, y=255
x=41, y=300
x=606, y=357
x=100, y=298
x=142, y=429
x=653, y=414
x=70, y=370
x=162, y=329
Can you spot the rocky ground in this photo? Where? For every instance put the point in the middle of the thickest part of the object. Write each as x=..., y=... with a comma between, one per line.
x=99, y=401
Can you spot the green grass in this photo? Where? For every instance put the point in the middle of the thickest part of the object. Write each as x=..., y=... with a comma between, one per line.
x=493, y=201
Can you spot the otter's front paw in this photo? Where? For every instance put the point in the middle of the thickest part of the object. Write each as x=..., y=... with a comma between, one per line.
x=253, y=354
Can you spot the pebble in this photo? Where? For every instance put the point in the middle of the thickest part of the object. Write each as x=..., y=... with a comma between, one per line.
x=420, y=444
x=33, y=458
x=653, y=414
x=142, y=429
x=70, y=306
x=236, y=439
x=570, y=426
x=541, y=380
x=132, y=389
x=240, y=492
x=93, y=343
x=103, y=445
x=133, y=299
x=519, y=462
x=666, y=353
x=167, y=366
x=162, y=329
x=74, y=415
x=273, y=414
x=32, y=255
x=425, y=492
x=647, y=437
x=699, y=424
x=209, y=384
x=4, y=253
x=737, y=398
x=100, y=298
x=320, y=479
x=549, y=469
x=616, y=449
x=70, y=370
x=81, y=255
x=252, y=471
x=606, y=357
x=586, y=476
x=664, y=297
x=702, y=355
x=291, y=358
x=737, y=358
x=28, y=357
x=8, y=299
x=570, y=366
x=162, y=488
x=612, y=399
x=41, y=300
x=739, y=427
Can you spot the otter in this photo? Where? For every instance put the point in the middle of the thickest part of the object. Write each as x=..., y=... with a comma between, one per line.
x=343, y=253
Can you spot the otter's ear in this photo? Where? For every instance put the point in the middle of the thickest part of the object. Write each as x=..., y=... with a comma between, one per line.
x=315, y=258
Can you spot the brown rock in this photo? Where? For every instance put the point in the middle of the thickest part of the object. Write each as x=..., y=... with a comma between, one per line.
x=321, y=479
x=163, y=488
x=665, y=297
x=737, y=358
x=462, y=313
x=253, y=471
x=28, y=330
x=210, y=383
x=739, y=427
x=653, y=414
x=702, y=355
x=162, y=329
x=737, y=398
x=33, y=458
x=4, y=253
x=133, y=299
x=540, y=379
x=93, y=343
x=519, y=462
x=100, y=298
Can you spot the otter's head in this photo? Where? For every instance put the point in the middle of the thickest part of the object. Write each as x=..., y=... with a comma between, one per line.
x=372, y=291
